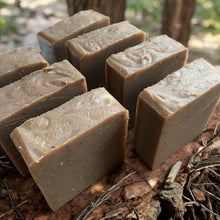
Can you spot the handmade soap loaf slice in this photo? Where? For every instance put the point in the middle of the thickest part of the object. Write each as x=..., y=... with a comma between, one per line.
x=74, y=145
x=52, y=40
x=130, y=71
x=32, y=95
x=89, y=52
x=174, y=111
x=19, y=62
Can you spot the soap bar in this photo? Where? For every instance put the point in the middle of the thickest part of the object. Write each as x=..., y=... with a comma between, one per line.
x=19, y=62
x=74, y=145
x=32, y=95
x=130, y=71
x=52, y=40
x=174, y=111
x=89, y=52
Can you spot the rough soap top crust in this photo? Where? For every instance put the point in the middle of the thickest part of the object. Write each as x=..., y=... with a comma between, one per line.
x=19, y=58
x=102, y=38
x=45, y=133
x=33, y=87
x=67, y=26
x=183, y=86
x=144, y=55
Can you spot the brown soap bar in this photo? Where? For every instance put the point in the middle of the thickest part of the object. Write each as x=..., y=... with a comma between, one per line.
x=74, y=145
x=32, y=95
x=52, y=40
x=174, y=111
x=130, y=71
x=89, y=52
x=19, y=62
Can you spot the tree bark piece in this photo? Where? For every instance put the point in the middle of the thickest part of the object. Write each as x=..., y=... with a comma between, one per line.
x=177, y=17
x=113, y=8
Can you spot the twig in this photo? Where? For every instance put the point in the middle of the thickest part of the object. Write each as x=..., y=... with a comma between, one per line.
x=12, y=210
x=215, y=133
x=204, y=184
x=104, y=196
x=138, y=172
x=211, y=170
x=12, y=202
x=217, y=129
x=209, y=210
x=208, y=166
x=209, y=204
x=191, y=203
x=5, y=163
x=211, y=194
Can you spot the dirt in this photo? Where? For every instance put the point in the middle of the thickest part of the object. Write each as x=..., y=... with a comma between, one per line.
x=121, y=203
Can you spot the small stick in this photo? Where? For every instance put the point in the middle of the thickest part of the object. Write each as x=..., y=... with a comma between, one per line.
x=211, y=170
x=217, y=129
x=209, y=210
x=11, y=210
x=138, y=172
x=104, y=196
x=12, y=202
x=191, y=203
x=211, y=194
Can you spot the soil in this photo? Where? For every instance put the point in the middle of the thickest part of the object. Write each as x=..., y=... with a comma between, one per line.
x=132, y=196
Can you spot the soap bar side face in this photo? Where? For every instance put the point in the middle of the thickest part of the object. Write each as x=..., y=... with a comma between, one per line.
x=80, y=165
x=73, y=118
x=135, y=83
x=83, y=144
x=36, y=86
x=32, y=95
x=187, y=124
x=143, y=65
x=90, y=51
x=148, y=127
x=52, y=40
x=59, y=46
x=19, y=62
x=116, y=86
x=183, y=119
x=176, y=131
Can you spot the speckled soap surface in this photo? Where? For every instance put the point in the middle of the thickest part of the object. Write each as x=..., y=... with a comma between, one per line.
x=52, y=40
x=89, y=52
x=19, y=62
x=174, y=111
x=130, y=71
x=34, y=94
x=184, y=86
x=79, y=142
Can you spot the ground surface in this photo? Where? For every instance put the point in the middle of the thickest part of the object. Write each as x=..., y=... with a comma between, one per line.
x=133, y=195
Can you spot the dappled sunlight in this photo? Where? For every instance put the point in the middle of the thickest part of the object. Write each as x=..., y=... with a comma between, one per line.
x=206, y=40
x=98, y=188
x=35, y=3
x=205, y=45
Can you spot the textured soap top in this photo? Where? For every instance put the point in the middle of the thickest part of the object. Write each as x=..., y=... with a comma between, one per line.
x=71, y=25
x=145, y=54
x=45, y=133
x=102, y=38
x=19, y=58
x=183, y=86
x=33, y=87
